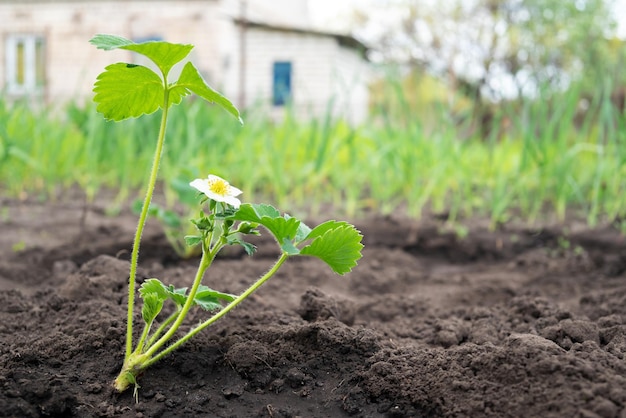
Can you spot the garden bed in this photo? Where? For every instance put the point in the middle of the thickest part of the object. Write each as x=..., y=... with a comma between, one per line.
x=517, y=322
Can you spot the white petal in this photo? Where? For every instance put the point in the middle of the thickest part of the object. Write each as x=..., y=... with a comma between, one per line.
x=233, y=201
x=233, y=191
x=201, y=185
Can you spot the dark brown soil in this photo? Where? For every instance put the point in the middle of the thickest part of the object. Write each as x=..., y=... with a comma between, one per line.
x=514, y=323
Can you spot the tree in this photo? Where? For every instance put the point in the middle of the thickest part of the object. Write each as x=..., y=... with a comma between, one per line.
x=495, y=49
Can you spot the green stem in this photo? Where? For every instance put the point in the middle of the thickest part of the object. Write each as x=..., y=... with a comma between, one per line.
x=205, y=262
x=162, y=327
x=144, y=335
x=142, y=221
x=221, y=313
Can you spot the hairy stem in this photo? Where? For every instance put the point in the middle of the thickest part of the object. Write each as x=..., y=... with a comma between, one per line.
x=221, y=313
x=205, y=262
x=162, y=327
x=144, y=335
x=140, y=225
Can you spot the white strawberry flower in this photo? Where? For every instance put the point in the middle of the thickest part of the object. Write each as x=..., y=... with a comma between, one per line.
x=218, y=189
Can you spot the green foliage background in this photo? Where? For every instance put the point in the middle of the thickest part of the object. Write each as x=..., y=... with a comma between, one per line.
x=550, y=160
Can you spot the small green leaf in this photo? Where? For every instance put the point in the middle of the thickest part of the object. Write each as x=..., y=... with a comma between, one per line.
x=203, y=223
x=178, y=296
x=190, y=79
x=248, y=228
x=288, y=247
x=226, y=213
x=154, y=286
x=340, y=247
x=154, y=294
x=152, y=305
x=123, y=92
x=302, y=233
x=210, y=300
x=193, y=240
x=249, y=248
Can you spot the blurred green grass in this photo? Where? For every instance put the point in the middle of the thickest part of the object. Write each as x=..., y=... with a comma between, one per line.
x=535, y=158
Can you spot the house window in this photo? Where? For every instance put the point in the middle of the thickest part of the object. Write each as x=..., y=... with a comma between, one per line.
x=24, y=57
x=282, y=83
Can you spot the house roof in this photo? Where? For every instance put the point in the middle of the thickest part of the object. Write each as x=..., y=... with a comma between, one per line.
x=343, y=39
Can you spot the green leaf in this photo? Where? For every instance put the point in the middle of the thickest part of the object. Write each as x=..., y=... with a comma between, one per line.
x=152, y=305
x=190, y=79
x=193, y=240
x=322, y=228
x=249, y=248
x=289, y=247
x=302, y=233
x=164, y=54
x=282, y=227
x=125, y=91
x=203, y=223
x=178, y=296
x=154, y=286
x=264, y=210
x=210, y=300
x=340, y=247
x=109, y=42
x=248, y=228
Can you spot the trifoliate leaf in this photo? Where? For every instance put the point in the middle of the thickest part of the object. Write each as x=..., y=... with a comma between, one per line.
x=127, y=91
x=164, y=54
x=152, y=305
x=282, y=227
x=191, y=79
x=340, y=247
x=210, y=300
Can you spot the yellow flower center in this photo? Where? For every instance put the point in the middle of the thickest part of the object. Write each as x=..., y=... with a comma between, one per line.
x=219, y=187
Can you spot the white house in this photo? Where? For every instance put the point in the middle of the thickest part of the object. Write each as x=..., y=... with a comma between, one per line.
x=256, y=52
